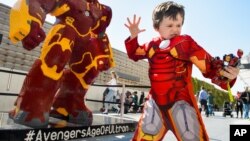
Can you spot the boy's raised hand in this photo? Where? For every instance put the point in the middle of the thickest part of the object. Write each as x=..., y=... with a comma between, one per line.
x=134, y=27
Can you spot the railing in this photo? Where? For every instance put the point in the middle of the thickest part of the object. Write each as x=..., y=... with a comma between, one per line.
x=122, y=100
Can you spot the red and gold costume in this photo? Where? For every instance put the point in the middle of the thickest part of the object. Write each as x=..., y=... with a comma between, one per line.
x=78, y=40
x=170, y=70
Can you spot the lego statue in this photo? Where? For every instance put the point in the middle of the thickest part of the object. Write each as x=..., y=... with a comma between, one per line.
x=74, y=51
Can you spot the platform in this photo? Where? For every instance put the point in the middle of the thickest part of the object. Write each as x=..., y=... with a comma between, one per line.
x=59, y=130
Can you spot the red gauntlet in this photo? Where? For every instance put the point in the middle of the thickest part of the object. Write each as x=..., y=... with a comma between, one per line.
x=218, y=65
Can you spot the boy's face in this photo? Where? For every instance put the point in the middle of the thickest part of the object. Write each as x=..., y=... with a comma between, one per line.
x=168, y=28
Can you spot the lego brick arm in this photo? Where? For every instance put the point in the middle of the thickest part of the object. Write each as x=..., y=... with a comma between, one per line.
x=26, y=20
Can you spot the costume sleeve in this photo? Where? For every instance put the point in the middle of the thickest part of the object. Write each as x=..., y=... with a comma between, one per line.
x=132, y=46
x=187, y=49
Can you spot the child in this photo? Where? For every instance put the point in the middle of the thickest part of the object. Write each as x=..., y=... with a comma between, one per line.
x=172, y=105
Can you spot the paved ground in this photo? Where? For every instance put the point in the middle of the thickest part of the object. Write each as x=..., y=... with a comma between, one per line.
x=217, y=127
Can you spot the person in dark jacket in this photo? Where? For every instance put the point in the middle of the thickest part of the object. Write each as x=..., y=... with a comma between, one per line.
x=239, y=107
x=245, y=96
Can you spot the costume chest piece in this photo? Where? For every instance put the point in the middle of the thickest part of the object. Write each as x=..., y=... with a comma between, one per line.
x=164, y=44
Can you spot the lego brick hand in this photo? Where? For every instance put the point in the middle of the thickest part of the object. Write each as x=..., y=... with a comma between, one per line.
x=35, y=36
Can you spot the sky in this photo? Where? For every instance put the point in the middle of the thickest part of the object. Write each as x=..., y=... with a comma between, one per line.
x=219, y=26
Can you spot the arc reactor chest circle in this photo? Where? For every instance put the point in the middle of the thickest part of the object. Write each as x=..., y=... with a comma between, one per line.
x=86, y=13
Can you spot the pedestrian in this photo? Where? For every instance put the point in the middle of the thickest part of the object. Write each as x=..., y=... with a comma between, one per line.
x=245, y=96
x=135, y=101
x=112, y=92
x=128, y=101
x=118, y=100
x=210, y=103
x=142, y=96
x=104, y=94
x=239, y=107
x=203, y=100
x=141, y=106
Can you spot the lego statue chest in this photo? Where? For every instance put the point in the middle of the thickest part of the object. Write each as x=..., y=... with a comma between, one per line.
x=82, y=15
x=95, y=10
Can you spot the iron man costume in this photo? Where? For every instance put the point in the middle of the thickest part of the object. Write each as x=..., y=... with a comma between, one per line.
x=170, y=70
x=78, y=40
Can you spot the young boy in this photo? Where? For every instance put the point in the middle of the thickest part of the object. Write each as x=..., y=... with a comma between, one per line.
x=172, y=105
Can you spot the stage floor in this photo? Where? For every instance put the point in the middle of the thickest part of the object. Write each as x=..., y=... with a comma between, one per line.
x=62, y=130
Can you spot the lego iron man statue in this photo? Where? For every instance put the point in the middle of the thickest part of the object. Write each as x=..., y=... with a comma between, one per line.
x=75, y=50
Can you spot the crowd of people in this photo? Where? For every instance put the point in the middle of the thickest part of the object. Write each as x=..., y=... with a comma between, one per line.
x=206, y=101
x=241, y=105
x=132, y=103
x=112, y=98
